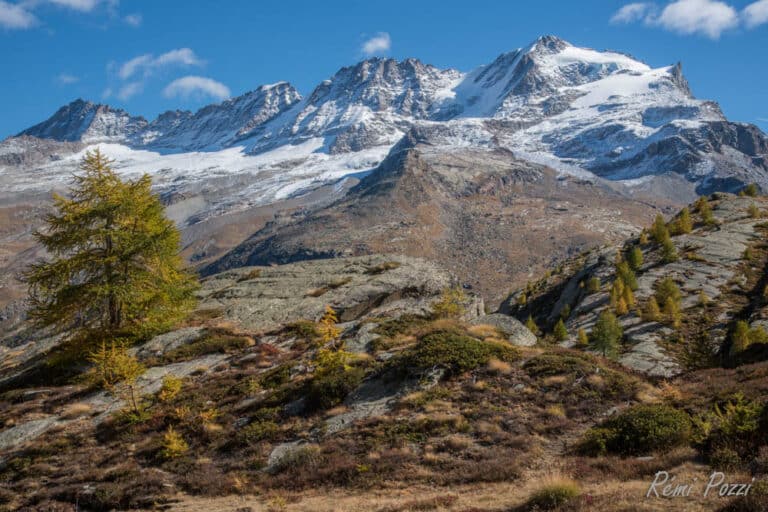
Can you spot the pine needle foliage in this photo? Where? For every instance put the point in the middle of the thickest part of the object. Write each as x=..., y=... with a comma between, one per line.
x=606, y=334
x=115, y=268
x=560, y=331
x=328, y=330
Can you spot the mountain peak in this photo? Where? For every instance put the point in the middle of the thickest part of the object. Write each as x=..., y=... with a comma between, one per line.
x=551, y=43
x=82, y=120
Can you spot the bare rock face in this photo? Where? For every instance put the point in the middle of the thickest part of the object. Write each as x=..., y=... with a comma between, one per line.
x=263, y=298
x=711, y=263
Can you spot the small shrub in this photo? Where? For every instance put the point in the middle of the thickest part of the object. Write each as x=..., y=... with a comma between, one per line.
x=259, y=430
x=705, y=211
x=456, y=353
x=638, y=430
x=451, y=303
x=725, y=459
x=734, y=425
x=547, y=365
x=334, y=379
x=174, y=445
x=553, y=495
x=170, y=388
x=753, y=211
x=743, y=336
x=751, y=190
x=593, y=285
x=213, y=341
x=308, y=455
x=115, y=370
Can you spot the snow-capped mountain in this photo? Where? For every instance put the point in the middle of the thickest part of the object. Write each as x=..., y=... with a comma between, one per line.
x=83, y=121
x=578, y=110
x=219, y=125
x=371, y=104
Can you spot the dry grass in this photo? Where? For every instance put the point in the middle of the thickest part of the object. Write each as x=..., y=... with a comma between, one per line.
x=556, y=411
x=555, y=380
x=554, y=492
x=76, y=410
x=499, y=367
x=483, y=331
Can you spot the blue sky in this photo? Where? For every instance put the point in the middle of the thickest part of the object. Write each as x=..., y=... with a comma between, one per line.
x=151, y=56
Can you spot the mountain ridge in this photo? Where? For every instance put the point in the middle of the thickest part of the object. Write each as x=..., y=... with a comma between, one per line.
x=574, y=109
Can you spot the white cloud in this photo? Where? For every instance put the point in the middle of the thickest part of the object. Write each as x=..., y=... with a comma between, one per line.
x=66, y=78
x=707, y=17
x=15, y=17
x=134, y=65
x=189, y=86
x=381, y=42
x=148, y=63
x=129, y=90
x=77, y=5
x=631, y=13
x=134, y=20
x=755, y=14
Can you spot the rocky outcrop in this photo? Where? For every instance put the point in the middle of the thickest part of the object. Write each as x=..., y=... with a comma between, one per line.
x=711, y=263
x=264, y=298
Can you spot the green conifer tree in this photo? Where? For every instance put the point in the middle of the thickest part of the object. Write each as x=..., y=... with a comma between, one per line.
x=635, y=258
x=560, y=331
x=606, y=334
x=531, y=325
x=659, y=230
x=115, y=267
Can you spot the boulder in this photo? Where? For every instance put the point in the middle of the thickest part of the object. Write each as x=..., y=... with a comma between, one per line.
x=516, y=332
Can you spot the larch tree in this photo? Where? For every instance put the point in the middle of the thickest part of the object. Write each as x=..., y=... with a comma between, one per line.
x=114, y=269
x=606, y=334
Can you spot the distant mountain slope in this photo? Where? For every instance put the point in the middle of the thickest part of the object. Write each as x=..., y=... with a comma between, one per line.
x=481, y=213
